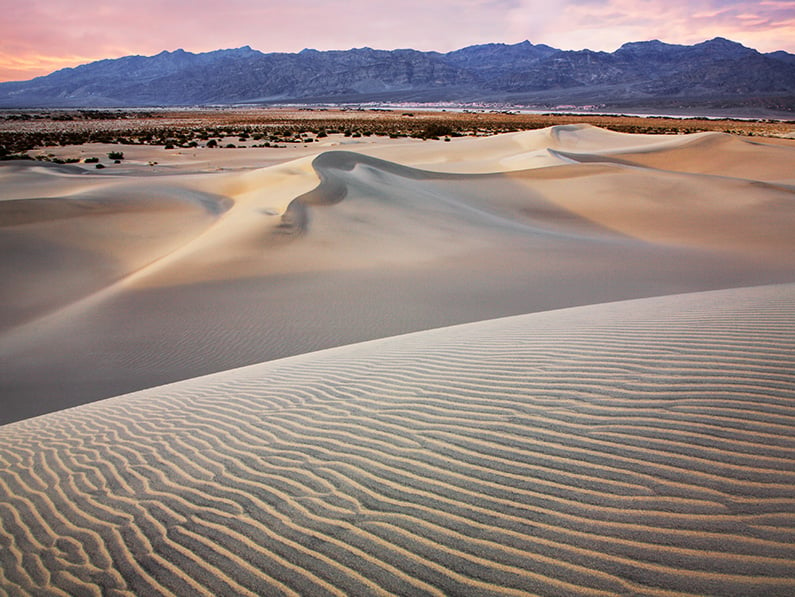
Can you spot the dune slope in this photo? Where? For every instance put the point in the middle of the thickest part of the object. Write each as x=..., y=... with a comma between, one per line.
x=641, y=447
x=118, y=283
x=157, y=278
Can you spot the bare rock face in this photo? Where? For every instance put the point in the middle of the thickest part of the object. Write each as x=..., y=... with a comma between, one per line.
x=650, y=73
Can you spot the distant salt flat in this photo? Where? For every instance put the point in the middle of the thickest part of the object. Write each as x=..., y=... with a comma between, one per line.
x=641, y=447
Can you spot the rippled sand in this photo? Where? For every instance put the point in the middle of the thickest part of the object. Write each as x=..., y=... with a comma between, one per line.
x=640, y=447
x=635, y=447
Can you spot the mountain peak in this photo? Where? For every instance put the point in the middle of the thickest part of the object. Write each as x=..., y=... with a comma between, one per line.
x=652, y=43
x=241, y=51
x=726, y=47
x=165, y=54
x=722, y=41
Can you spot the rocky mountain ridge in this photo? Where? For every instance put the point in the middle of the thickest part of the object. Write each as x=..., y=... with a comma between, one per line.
x=717, y=72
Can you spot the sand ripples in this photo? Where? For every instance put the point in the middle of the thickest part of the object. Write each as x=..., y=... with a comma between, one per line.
x=641, y=448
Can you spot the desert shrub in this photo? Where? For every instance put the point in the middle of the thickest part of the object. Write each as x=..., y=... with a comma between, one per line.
x=434, y=130
x=116, y=155
x=99, y=166
x=212, y=143
x=91, y=160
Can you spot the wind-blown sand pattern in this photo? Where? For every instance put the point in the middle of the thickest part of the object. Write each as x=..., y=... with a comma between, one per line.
x=641, y=447
x=598, y=396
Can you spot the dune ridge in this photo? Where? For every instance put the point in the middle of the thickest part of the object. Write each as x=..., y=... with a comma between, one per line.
x=152, y=277
x=60, y=249
x=641, y=447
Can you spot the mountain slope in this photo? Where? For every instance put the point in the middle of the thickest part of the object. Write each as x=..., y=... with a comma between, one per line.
x=642, y=73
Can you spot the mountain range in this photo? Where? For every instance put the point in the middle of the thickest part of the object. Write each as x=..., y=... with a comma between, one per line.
x=718, y=73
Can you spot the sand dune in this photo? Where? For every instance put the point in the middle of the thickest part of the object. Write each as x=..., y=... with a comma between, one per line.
x=717, y=154
x=153, y=278
x=636, y=447
x=640, y=447
x=59, y=248
x=523, y=150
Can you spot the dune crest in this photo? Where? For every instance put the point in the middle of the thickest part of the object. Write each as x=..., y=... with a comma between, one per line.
x=156, y=274
x=524, y=149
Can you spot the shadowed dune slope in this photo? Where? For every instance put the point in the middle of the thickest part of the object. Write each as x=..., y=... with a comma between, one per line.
x=57, y=249
x=126, y=282
x=641, y=447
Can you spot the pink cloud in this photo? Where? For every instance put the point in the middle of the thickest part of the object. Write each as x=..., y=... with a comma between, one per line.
x=39, y=36
x=606, y=24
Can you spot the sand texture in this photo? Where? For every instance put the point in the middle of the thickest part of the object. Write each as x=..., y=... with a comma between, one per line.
x=200, y=266
x=641, y=447
x=555, y=362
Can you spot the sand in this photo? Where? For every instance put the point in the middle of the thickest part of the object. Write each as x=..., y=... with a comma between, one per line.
x=579, y=445
x=641, y=447
x=157, y=274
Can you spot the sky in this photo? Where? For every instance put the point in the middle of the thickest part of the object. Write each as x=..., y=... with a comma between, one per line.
x=40, y=36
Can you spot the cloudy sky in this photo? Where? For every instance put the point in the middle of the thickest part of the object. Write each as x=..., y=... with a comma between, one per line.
x=39, y=36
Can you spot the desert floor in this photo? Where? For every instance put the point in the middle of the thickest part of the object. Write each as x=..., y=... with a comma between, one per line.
x=557, y=362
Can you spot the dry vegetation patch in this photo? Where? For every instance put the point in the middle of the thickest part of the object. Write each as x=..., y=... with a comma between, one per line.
x=21, y=131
